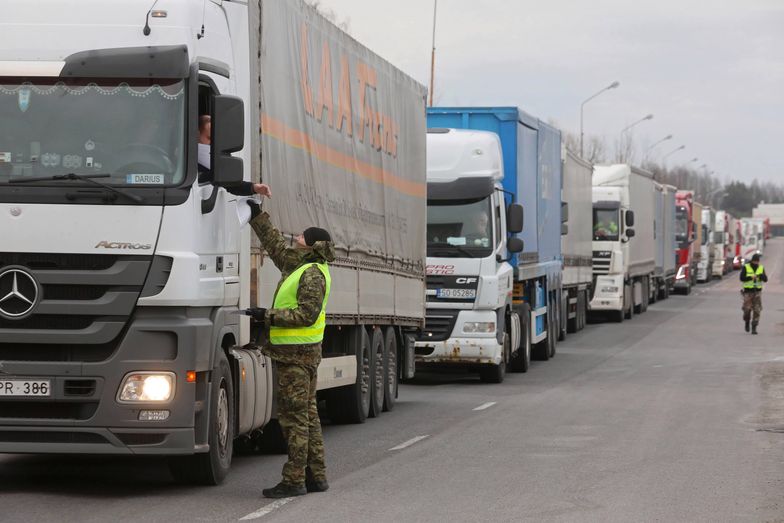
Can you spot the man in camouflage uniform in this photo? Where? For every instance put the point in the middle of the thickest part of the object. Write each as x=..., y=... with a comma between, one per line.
x=752, y=275
x=297, y=364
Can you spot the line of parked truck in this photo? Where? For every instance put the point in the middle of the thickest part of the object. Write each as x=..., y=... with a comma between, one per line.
x=478, y=243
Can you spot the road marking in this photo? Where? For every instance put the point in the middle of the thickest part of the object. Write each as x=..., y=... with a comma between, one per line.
x=410, y=442
x=266, y=509
x=484, y=406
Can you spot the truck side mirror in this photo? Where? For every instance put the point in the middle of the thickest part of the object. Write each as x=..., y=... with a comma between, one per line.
x=629, y=218
x=564, y=213
x=514, y=245
x=630, y=233
x=564, y=229
x=514, y=218
x=228, y=136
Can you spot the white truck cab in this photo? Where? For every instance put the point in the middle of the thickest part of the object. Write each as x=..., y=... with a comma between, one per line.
x=470, y=321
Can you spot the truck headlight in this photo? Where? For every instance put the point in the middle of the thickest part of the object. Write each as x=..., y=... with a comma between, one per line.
x=147, y=387
x=479, y=326
x=611, y=289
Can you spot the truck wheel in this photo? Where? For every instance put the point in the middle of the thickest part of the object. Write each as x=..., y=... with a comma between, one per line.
x=573, y=324
x=210, y=468
x=582, y=304
x=521, y=360
x=377, y=376
x=351, y=404
x=496, y=373
x=390, y=369
x=629, y=293
x=552, y=332
x=646, y=294
x=563, y=312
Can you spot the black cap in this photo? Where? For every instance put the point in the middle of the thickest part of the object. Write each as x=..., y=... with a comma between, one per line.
x=315, y=234
x=756, y=257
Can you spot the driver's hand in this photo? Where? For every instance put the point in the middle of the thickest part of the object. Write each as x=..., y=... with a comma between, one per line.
x=262, y=189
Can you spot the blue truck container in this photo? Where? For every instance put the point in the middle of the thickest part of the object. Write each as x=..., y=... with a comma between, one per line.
x=532, y=164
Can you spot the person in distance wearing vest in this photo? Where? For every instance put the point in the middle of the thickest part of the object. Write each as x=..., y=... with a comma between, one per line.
x=296, y=328
x=752, y=275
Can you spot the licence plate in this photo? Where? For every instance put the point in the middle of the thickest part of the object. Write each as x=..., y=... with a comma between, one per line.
x=456, y=293
x=40, y=388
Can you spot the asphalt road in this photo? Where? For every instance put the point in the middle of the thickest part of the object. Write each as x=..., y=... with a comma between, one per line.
x=676, y=415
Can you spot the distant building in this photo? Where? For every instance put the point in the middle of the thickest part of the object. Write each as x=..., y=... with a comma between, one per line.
x=774, y=211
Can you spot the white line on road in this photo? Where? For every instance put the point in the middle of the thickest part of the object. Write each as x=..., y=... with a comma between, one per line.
x=484, y=406
x=266, y=509
x=410, y=442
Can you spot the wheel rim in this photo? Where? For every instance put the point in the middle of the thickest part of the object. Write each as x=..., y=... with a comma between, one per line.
x=223, y=419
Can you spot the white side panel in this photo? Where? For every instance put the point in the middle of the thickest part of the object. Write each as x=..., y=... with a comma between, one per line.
x=375, y=291
x=409, y=297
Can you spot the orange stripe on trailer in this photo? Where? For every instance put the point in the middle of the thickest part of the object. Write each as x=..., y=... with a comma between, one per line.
x=300, y=140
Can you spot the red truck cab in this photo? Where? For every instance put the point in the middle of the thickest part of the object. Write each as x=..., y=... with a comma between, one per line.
x=685, y=234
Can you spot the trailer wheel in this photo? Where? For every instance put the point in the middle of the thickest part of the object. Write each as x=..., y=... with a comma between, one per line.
x=552, y=332
x=210, y=468
x=573, y=324
x=521, y=360
x=563, y=319
x=351, y=404
x=377, y=375
x=390, y=369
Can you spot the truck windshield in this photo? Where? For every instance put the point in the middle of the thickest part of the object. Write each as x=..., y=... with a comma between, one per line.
x=682, y=227
x=605, y=224
x=132, y=130
x=459, y=228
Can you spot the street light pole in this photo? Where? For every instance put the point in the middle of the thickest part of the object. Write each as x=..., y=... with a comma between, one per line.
x=621, y=157
x=582, y=106
x=652, y=147
x=433, y=53
x=682, y=147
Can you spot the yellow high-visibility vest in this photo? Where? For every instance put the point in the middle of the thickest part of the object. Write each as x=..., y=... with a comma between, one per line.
x=749, y=284
x=286, y=298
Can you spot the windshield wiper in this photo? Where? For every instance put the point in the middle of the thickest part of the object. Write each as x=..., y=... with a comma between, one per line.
x=82, y=178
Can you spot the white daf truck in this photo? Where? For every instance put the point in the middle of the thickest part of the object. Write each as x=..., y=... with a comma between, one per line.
x=623, y=240
x=123, y=277
x=707, y=251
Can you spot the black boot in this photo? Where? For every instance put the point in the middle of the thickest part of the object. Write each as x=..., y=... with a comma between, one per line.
x=754, y=328
x=281, y=490
x=747, y=325
x=315, y=485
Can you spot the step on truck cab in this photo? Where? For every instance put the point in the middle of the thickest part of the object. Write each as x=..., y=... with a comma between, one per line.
x=624, y=257
x=124, y=335
x=493, y=295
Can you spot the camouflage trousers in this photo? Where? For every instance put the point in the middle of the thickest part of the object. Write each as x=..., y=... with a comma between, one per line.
x=752, y=302
x=299, y=419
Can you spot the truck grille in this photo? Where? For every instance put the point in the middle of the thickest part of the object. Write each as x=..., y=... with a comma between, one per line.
x=438, y=324
x=85, y=301
x=601, y=262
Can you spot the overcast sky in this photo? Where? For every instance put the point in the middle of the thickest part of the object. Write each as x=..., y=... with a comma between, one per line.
x=711, y=72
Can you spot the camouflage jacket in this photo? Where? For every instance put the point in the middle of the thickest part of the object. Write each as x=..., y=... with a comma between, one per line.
x=310, y=294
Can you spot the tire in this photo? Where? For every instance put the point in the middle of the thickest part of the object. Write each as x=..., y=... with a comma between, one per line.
x=390, y=369
x=564, y=316
x=552, y=334
x=351, y=404
x=646, y=294
x=210, y=468
x=629, y=291
x=377, y=376
x=496, y=373
x=521, y=361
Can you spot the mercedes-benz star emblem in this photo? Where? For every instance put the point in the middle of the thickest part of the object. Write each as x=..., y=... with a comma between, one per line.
x=18, y=293
x=16, y=211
